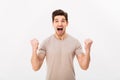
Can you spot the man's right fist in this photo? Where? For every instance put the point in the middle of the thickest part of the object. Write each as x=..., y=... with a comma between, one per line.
x=34, y=43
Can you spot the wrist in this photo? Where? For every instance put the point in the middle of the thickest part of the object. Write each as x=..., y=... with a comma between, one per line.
x=34, y=49
x=87, y=50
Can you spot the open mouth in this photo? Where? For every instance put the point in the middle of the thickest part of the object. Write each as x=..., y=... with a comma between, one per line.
x=59, y=29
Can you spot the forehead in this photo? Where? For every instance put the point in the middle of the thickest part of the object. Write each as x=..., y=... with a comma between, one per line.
x=59, y=17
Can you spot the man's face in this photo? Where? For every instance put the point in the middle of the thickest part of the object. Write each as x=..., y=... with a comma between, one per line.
x=60, y=24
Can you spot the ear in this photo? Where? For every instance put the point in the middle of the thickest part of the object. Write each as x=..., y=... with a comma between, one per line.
x=52, y=23
x=67, y=23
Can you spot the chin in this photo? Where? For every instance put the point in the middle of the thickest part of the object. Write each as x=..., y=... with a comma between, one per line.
x=59, y=34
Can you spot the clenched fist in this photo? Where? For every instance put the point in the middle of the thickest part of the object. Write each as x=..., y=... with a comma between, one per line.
x=34, y=44
x=88, y=43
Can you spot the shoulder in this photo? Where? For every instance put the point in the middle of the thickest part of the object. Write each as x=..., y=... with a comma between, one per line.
x=47, y=40
x=72, y=38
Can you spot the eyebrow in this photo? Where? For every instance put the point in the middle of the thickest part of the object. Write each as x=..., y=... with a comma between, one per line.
x=62, y=19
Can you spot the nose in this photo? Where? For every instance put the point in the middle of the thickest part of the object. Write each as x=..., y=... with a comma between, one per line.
x=60, y=23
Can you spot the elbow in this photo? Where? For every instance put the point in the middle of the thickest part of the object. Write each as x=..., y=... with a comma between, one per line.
x=35, y=68
x=84, y=68
x=85, y=65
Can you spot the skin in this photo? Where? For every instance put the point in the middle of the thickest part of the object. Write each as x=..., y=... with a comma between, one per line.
x=60, y=22
x=84, y=59
x=36, y=60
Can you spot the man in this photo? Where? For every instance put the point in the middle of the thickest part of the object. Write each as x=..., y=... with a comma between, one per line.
x=60, y=50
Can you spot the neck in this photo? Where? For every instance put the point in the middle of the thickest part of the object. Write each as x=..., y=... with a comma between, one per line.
x=60, y=37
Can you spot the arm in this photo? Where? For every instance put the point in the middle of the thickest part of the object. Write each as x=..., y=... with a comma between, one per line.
x=36, y=60
x=84, y=59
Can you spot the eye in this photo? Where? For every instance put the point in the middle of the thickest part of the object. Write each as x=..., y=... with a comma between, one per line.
x=56, y=21
x=63, y=20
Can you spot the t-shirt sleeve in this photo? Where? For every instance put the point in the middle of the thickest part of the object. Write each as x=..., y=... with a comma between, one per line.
x=42, y=48
x=78, y=49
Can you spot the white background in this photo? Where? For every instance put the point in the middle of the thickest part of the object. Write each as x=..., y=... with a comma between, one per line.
x=23, y=20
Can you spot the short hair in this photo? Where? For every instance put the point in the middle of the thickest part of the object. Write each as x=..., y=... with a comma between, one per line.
x=59, y=12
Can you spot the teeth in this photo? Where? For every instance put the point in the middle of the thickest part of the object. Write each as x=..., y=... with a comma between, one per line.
x=59, y=28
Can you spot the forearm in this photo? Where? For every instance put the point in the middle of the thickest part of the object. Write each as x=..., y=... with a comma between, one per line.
x=84, y=60
x=35, y=61
x=87, y=55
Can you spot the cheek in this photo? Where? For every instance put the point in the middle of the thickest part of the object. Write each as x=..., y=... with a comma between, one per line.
x=55, y=28
x=55, y=25
x=65, y=24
